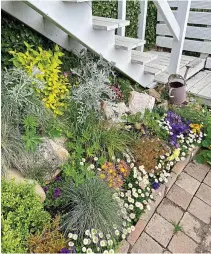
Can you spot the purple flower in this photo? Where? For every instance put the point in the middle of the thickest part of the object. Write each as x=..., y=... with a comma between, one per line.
x=155, y=185
x=58, y=178
x=57, y=193
x=178, y=126
x=64, y=250
x=45, y=188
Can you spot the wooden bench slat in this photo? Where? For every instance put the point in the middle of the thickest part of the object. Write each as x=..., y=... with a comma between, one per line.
x=203, y=33
x=199, y=18
x=205, y=5
x=189, y=45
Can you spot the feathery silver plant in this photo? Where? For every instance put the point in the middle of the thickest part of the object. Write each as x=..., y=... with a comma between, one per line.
x=94, y=85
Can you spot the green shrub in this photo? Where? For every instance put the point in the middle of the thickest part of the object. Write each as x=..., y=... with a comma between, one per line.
x=90, y=205
x=14, y=33
x=205, y=155
x=22, y=214
x=45, y=65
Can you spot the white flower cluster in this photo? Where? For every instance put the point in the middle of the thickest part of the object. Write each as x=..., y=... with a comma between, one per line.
x=94, y=239
x=138, y=196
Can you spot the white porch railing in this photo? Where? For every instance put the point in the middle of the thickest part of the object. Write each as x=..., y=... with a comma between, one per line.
x=177, y=26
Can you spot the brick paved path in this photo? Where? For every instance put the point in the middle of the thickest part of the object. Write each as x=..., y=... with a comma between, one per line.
x=187, y=204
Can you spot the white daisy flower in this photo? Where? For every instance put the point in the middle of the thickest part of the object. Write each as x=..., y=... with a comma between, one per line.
x=95, y=159
x=110, y=242
x=71, y=244
x=70, y=235
x=75, y=237
x=89, y=251
x=85, y=241
x=84, y=249
x=116, y=232
x=87, y=232
x=102, y=243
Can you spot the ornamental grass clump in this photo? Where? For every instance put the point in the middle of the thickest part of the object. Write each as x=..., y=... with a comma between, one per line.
x=89, y=206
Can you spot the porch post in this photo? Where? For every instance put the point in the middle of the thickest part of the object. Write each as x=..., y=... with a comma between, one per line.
x=121, y=15
x=177, y=45
x=142, y=17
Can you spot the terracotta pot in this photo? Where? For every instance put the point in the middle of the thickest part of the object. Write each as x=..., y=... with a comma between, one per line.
x=177, y=89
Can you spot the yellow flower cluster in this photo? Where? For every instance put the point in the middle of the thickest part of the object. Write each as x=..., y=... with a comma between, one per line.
x=175, y=155
x=45, y=65
x=114, y=174
x=196, y=128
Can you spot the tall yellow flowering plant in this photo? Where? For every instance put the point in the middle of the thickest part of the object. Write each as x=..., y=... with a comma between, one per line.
x=45, y=66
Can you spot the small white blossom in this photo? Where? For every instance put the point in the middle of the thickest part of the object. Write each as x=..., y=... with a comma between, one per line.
x=71, y=244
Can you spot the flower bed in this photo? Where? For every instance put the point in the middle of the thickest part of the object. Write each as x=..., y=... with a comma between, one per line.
x=99, y=174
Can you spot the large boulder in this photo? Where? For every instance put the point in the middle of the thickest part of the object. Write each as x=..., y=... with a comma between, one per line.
x=15, y=175
x=139, y=102
x=155, y=94
x=115, y=111
x=53, y=153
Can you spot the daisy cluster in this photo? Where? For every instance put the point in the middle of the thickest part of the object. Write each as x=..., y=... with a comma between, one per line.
x=93, y=241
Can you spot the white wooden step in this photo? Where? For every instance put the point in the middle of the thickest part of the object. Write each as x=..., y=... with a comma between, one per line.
x=127, y=43
x=208, y=63
x=142, y=57
x=102, y=23
x=152, y=71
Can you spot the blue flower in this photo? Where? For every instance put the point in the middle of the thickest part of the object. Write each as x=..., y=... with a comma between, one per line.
x=155, y=185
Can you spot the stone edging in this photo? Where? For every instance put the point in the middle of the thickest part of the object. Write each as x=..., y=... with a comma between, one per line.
x=126, y=245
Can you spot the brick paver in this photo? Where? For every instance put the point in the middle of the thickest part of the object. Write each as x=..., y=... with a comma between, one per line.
x=160, y=229
x=207, y=179
x=204, y=193
x=196, y=170
x=181, y=243
x=188, y=183
x=179, y=196
x=186, y=201
x=170, y=211
x=200, y=209
x=146, y=244
x=191, y=227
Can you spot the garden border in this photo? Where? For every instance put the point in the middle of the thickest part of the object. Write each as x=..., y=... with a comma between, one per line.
x=126, y=245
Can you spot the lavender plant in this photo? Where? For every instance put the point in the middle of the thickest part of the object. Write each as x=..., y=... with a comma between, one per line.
x=94, y=86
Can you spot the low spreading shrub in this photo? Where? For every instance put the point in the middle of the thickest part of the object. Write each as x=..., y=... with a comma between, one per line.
x=22, y=215
x=147, y=151
x=50, y=240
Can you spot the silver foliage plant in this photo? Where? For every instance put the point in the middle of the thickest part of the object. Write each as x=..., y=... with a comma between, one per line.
x=18, y=100
x=94, y=85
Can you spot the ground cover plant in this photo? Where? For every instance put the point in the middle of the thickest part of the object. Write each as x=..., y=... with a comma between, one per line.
x=112, y=170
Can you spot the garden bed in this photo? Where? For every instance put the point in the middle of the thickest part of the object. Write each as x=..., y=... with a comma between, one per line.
x=84, y=156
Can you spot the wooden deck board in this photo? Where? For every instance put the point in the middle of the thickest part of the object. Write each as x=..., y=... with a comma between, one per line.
x=199, y=80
